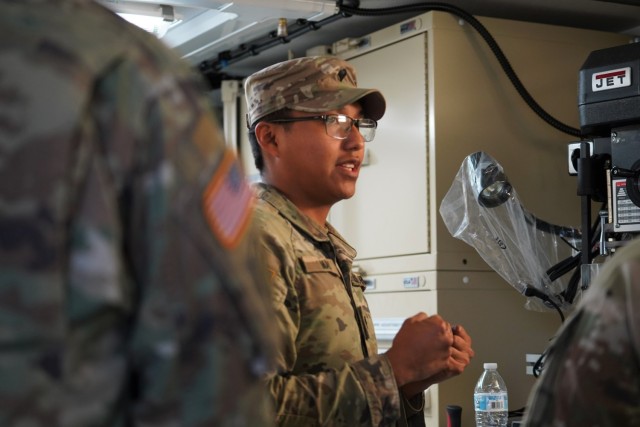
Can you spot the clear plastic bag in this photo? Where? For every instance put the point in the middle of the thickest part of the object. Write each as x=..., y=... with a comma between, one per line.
x=482, y=209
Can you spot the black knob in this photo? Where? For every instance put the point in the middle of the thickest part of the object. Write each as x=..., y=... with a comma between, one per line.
x=453, y=416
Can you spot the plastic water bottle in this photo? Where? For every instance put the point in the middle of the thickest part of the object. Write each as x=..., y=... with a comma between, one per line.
x=490, y=398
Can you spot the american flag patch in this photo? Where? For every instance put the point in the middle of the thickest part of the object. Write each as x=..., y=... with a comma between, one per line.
x=227, y=202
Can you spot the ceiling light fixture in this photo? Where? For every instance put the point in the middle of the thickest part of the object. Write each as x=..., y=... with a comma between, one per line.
x=154, y=18
x=157, y=25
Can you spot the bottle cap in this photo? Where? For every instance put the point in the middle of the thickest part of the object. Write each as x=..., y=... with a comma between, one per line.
x=490, y=366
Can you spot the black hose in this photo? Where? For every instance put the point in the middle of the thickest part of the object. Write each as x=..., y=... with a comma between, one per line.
x=491, y=42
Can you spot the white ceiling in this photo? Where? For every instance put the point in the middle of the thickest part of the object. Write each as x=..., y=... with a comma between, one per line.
x=201, y=43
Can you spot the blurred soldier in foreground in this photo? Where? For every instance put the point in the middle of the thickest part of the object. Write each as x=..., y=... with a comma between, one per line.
x=592, y=374
x=128, y=282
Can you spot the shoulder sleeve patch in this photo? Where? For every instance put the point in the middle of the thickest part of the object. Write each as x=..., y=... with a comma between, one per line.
x=227, y=202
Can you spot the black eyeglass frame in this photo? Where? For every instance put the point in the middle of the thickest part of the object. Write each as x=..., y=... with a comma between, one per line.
x=326, y=117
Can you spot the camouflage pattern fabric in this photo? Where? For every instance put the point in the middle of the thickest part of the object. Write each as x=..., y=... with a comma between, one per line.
x=315, y=84
x=592, y=375
x=128, y=272
x=328, y=368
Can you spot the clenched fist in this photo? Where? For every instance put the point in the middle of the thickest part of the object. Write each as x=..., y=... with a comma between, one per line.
x=427, y=350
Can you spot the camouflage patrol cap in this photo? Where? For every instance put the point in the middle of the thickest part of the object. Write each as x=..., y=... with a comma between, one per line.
x=314, y=84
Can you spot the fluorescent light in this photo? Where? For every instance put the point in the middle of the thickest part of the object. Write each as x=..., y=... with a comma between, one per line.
x=154, y=24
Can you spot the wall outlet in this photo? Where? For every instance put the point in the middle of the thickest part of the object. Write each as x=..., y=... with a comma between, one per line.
x=531, y=359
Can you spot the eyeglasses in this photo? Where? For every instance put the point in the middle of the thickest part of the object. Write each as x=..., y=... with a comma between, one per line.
x=338, y=126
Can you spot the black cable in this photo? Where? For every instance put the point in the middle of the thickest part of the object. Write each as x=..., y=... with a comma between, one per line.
x=517, y=412
x=491, y=42
x=570, y=244
x=572, y=287
x=563, y=267
x=539, y=365
x=254, y=47
x=559, y=230
x=531, y=291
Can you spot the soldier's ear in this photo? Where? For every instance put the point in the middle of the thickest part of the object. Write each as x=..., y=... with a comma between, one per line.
x=266, y=137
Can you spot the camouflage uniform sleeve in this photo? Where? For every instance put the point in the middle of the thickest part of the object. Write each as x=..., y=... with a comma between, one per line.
x=358, y=393
x=200, y=339
x=592, y=374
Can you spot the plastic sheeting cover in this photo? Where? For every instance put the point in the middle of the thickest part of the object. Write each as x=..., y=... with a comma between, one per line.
x=505, y=235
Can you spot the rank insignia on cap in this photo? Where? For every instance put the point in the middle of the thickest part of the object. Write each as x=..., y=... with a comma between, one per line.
x=227, y=202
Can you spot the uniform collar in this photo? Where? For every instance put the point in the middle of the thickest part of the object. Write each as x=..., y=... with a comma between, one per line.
x=288, y=210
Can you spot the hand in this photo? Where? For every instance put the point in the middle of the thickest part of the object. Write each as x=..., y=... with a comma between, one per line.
x=460, y=358
x=421, y=349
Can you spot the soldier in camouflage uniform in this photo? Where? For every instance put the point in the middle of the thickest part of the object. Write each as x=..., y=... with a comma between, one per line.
x=308, y=122
x=592, y=374
x=128, y=272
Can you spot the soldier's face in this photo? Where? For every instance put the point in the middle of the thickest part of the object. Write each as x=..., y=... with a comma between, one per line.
x=320, y=169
